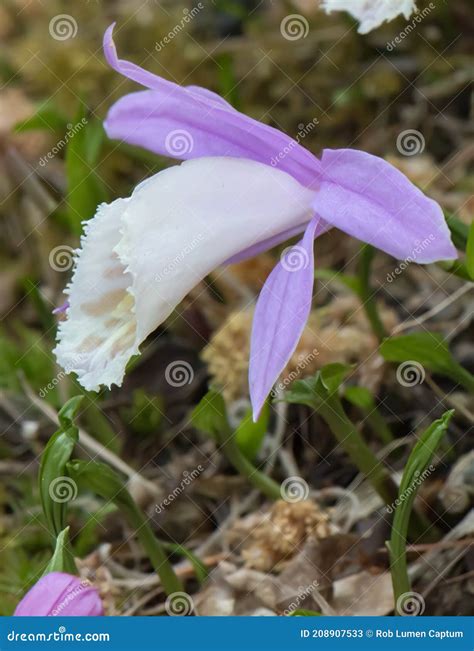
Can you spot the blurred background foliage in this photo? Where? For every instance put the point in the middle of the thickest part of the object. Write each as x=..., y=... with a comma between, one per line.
x=359, y=94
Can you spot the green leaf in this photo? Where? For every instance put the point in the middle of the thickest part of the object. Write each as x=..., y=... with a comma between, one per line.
x=63, y=558
x=470, y=252
x=55, y=486
x=37, y=365
x=103, y=480
x=303, y=392
x=303, y=612
x=429, y=350
x=415, y=472
x=317, y=388
x=210, y=415
x=360, y=397
x=99, y=425
x=200, y=569
x=456, y=268
x=459, y=232
x=249, y=435
x=42, y=307
x=332, y=375
x=85, y=189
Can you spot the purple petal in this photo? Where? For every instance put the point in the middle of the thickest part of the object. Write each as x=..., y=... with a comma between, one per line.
x=192, y=122
x=280, y=316
x=254, y=250
x=60, y=594
x=371, y=200
x=62, y=308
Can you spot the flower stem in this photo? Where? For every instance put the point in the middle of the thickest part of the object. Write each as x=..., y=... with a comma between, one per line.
x=265, y=484
x=366, y=292
x=104, y=481
x=417, y=464
x=155, y=551
x=333, y=413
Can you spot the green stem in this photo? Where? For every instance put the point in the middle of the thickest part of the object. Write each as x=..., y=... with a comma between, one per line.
x=155, y=550
x=380, y=427
x=413, y=474
x=465, y=378
x=265, y=484
x=104, y=481
x=333, y=413
x=366, y=292
x=398, y=557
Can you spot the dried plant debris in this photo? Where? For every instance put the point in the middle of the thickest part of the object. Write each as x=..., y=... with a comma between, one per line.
x=338, y=332
x=236, y=551
x=283, y=532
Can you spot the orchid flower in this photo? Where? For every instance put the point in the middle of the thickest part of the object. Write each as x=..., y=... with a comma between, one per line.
x=371, y=13
x=247, y=188
x=60, y=594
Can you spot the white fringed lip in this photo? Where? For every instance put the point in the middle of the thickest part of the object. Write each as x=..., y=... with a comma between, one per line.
x=140, y=256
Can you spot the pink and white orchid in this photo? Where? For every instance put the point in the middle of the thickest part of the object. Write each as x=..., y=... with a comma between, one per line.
x=238, y=196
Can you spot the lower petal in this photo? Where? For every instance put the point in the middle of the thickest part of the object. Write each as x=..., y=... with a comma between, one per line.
x=280, y=316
